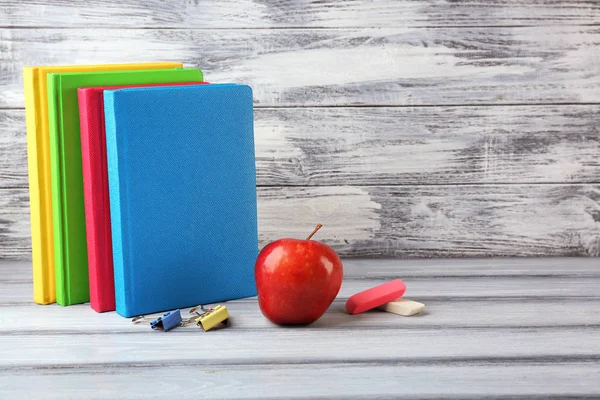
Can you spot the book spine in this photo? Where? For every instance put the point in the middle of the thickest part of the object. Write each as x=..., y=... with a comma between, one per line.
x=43, y=292
x=85, y=120
x=116, y=191
x=53, y=82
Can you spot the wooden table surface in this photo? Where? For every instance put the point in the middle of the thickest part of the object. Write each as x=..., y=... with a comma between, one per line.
x=493, y=328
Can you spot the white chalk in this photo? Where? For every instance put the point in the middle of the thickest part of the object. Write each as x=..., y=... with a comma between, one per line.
x=403, y=307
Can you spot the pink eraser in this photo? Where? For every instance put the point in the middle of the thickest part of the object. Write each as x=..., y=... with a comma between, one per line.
x=375, y=297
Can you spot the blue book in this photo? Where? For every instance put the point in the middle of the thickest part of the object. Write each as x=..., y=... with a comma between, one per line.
x=182, y=185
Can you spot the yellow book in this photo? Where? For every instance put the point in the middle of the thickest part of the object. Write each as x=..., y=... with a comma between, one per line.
x=38, y=160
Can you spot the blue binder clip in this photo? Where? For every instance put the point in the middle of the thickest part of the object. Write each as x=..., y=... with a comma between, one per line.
x=165, y=323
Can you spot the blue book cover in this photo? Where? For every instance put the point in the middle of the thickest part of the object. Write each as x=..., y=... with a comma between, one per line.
x=182, y=185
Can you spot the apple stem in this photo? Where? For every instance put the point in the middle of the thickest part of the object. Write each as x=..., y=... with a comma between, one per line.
x=319, y=226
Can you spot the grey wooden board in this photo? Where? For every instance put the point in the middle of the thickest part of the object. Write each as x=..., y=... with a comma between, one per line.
x=337, y=67
x=404, y=221
x=13, y=149
x=559, y=312
x=484, y=343
x=15, y=237
x=397, y=146
x=428, y=221
x=442, y=289
x=282, y=14
x=289, y=345
x=344, y=381
x=541, y=267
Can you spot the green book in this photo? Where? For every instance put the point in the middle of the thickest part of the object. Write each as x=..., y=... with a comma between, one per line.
x=68, y=210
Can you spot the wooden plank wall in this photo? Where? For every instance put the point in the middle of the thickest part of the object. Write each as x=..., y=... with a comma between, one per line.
x=408, y=128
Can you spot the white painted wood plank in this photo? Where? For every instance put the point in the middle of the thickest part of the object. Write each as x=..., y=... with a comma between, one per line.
x=405, y=221
x=456, y=313
x=296, y=345
x=20, y=293
x=15, y=234
x=363, y=66
x=13, y=149
x=381, y=146
x=347, y=381
x=409, y=221
x=281, y=14
x=421, y=289
x=538, y=293
x=469, y=268
x=441, y=145
x=543, y=267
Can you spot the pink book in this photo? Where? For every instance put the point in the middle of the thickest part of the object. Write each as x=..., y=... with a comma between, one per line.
x=95, y=190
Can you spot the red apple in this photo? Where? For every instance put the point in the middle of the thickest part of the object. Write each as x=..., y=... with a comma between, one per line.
x=297, y=280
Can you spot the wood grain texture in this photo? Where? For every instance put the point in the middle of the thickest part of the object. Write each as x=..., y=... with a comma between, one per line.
x=406, y=221
x=284, y=14
x=438, y=221
x=524, y=328
x=288, y=346
x=563, y=290
x=13, y=149
x=459, y=313
x=525, y=380
x=15, y=235
x=410, y=128
x=398, y=146
x=336, y=67
x=386, y=269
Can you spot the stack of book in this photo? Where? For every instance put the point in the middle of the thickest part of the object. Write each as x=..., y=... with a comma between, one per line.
x=142, y=187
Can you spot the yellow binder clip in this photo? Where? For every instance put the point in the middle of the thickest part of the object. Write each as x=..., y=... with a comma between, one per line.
x=211, y=317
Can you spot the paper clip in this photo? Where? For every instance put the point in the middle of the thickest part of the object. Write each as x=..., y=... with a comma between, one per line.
x=165, y=323
x=211, y=317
